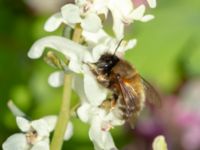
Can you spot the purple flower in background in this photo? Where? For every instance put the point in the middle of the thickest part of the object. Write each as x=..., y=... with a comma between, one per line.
x=178, y=120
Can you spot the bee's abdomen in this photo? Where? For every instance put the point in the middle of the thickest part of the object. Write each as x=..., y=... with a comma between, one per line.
x=126, y=111
x=131, y=107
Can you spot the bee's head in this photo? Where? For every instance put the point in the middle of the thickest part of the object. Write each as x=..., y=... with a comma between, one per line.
x=106, y=62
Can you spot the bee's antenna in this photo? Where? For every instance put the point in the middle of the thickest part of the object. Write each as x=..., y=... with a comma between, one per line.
x=118, y=45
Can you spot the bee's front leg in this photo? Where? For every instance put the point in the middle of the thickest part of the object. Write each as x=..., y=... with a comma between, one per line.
x=102, y=79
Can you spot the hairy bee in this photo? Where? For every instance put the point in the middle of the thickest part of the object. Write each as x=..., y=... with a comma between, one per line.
x=128, y=89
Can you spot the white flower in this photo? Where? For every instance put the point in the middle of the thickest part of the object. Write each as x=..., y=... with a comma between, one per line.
x=100, y=123
x=101, y=43
x=35, y=134
x=123, y=13
x=86, y=13
x=71, y=15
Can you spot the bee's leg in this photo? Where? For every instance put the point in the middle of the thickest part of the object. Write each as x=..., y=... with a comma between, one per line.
x=94, y=71
x=92, y=67
x=133, y=119
x=100, y=78
x=114, y=100
x=103, y=81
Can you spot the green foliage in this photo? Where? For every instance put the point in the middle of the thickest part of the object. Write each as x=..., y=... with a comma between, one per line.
x=165, y=52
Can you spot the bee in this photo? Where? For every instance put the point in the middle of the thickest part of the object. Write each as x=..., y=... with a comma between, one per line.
x=129, y=90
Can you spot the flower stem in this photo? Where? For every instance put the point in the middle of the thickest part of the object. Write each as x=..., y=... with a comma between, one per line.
x=63, y=117
x=64, y=114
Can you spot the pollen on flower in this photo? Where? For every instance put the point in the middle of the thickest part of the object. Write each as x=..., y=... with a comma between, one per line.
x=31, y=137
x=87, y=6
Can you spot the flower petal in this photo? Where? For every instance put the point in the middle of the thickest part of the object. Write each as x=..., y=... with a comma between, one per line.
x=71, y=13
x=147, y=18
x=137, y=13
x=51, y=122
x=16, y=142
x=122, y=7
x=102, y=140
x=118, y=26
x=126, y=46
x=78, y=86
x=100, y=7
x=99, y=50
x=91, y=23
x=41, y=145
x=152, y=3
x=73, y=51
x=120, y=11
x=95, y=93
x=56, y=79
x=53, y=22
x=41, y=127
x=113, y=118
x=23, y=124
x=15, y=110
x=159, y=143
x=95, y=38
x=69, y=131
x=83, y=112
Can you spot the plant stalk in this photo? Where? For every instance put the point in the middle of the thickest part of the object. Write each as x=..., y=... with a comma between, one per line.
x=64, y=114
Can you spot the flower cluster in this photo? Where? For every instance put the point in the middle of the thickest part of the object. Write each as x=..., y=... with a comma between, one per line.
x=89, y=15
x=34, y=134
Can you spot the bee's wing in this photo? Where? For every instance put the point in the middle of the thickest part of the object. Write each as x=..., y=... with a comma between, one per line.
x=128, y=96
x=152, y=96
x=131, y=102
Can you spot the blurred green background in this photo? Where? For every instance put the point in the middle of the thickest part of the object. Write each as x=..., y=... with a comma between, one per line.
x=167, y=53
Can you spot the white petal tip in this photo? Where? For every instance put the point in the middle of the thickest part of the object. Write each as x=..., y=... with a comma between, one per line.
x=23, y=124
x=56, y=79
x=15, y=110
x=147, y=18
x=152, y=3
x=53, y=22
x=132, y=43
x=91, y=23
x=35, y=51
x=32, y=55
x=69, y=131
x=15, y=142
x=51, y=121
